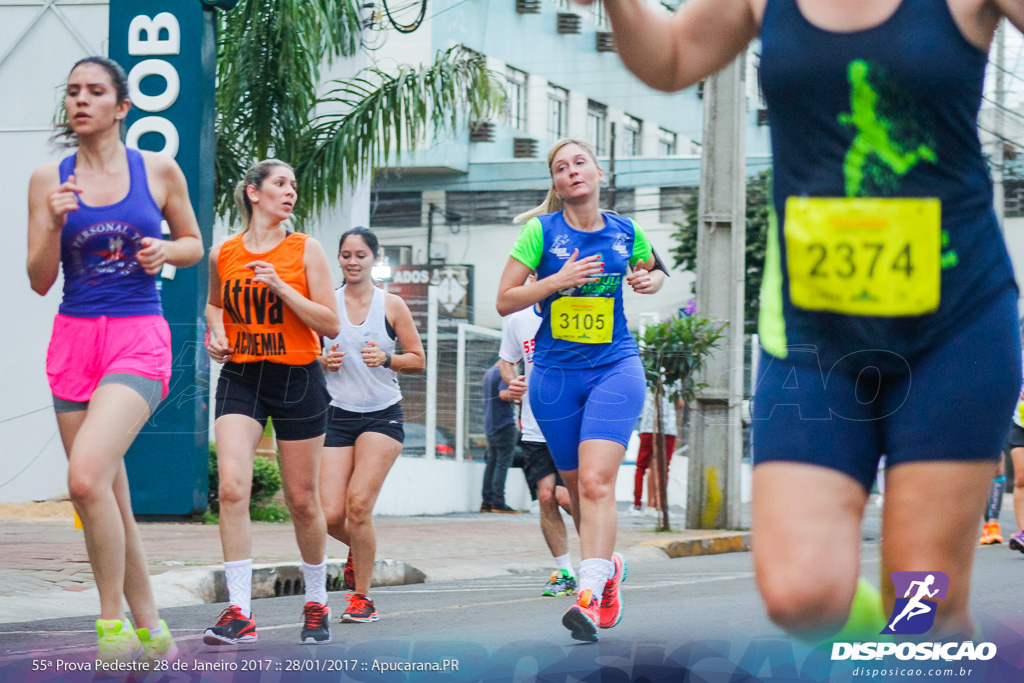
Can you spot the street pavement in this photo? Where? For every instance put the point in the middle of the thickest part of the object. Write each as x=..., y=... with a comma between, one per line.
x=480, y=609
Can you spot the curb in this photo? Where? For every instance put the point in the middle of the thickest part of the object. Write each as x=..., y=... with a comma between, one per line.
x=713, y=545
x=274, y=581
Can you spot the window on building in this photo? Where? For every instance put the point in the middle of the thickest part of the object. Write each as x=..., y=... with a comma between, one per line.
x=558, y=111
x=666, y=143
x=396, y=209
x=516, y=80
x=632, y=129
x=671, y=208
x=492, y=208
x=597, y=15
x=396, y=255
x=597, y=126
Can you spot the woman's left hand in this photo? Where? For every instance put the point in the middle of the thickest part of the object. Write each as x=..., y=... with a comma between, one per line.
x=153, y=255
x=266, y=273
x=641, y=282
x=373, y=355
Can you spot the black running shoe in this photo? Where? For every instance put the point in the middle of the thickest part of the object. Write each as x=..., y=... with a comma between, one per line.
x=505, y=509
x=316, y=629
x=349, y=574
x=231, y=628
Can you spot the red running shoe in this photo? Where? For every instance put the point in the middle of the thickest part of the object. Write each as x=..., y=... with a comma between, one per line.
x=583, y=617
x=611, y=598
x=232, y=628
x=360, y=609
x=349, y=574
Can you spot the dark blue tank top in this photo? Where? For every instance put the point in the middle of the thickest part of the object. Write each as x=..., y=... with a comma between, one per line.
x=922, y=82
x=102, y=276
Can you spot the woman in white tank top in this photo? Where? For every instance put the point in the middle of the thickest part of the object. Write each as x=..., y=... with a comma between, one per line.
x=364, y=427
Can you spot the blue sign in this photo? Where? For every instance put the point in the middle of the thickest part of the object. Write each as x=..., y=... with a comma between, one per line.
x=168, y=49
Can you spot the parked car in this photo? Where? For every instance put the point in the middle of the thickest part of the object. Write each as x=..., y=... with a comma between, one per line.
x=416, y=441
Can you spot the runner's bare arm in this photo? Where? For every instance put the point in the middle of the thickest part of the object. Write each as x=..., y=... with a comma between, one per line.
x=218, y=346
x=320, y=310
x=44, y=227
x=673, y=51
x=185, y=247
x=413, y=358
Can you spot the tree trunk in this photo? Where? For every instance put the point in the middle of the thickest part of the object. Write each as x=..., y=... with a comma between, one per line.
x=660, y=469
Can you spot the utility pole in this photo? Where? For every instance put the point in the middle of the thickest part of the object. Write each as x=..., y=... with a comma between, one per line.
x=999, y=125
x=430, y=231
x=611, y=170
x=716, y=437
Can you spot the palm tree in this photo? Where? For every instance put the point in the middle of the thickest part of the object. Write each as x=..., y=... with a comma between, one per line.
x=269, y=101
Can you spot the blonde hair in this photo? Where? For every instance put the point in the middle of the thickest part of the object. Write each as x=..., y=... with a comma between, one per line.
x=255, y=176
x=553, y=202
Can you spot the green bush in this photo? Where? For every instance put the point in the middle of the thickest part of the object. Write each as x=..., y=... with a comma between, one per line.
x=266, y=482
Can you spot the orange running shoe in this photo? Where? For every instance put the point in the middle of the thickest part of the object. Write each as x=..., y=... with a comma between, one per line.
x=583, y=617
x=990, y=533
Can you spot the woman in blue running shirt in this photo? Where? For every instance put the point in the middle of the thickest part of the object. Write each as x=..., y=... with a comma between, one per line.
x=888, y=306
x=587, y=387
x=96, y=217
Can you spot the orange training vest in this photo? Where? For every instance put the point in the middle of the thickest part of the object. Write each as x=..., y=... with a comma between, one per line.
x=258, y=324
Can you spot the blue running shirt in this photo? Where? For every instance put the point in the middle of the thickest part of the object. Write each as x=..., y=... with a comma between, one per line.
x=584, y=326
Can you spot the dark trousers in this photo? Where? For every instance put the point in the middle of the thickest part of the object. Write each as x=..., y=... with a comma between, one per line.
x=501, y=446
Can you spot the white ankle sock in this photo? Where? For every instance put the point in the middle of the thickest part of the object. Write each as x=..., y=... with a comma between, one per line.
x=594, y=573
x=239, y=579
x=565, y=562
x=315, y=578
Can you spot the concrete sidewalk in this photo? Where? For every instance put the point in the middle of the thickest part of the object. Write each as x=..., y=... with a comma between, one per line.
x=45, y=573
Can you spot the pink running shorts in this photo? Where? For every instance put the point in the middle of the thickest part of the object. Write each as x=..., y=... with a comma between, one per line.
x=83, y=350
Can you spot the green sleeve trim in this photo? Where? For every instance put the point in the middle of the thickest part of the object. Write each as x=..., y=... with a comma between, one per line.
x=771, y=325
x=642, y=251
x=530, y=245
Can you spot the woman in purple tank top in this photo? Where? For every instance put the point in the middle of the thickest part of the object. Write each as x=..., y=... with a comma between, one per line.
x=872, y=106
x=97, y=214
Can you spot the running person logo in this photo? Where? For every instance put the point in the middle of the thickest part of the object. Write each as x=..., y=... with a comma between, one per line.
x=560, y=247
x=917, y=596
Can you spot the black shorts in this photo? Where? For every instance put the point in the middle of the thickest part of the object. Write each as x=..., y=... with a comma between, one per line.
x=295, y=396
x=345, y=426
x=1016, y=438
x=537, y=464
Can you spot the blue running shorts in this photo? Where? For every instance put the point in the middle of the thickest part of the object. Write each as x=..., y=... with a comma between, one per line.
x=574, y=405
x=949, y=403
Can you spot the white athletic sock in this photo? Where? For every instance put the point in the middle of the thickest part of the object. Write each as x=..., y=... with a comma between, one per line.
x=565, y=562
x=156, y=632
x=594, y=573
x=315, y=578
x=239, y=578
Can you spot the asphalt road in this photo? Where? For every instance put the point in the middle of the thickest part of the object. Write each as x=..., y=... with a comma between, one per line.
x=700, y=614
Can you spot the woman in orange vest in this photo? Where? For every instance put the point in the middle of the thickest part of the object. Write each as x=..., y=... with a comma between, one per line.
x=271, y=296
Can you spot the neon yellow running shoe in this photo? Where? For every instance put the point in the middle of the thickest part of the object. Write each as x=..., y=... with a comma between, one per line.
x=157, y=649
x=117, y=641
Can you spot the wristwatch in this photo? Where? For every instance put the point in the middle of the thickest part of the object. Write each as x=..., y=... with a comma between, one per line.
x=387, y=360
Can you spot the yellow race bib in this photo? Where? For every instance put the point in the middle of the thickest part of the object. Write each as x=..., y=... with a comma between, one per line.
x=864, y=256
x=583, y=319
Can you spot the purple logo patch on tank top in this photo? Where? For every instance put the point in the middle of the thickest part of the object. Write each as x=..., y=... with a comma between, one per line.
x=106, y=249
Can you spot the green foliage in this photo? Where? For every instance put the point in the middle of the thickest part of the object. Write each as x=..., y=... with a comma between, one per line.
x=271, y=512
x=269, y=102
x=266, y=482
x=758, y=199
x=674, y=350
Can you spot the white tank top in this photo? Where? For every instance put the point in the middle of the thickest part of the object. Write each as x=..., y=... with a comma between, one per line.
x=356, y=387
